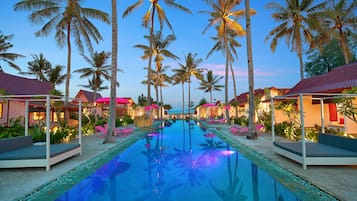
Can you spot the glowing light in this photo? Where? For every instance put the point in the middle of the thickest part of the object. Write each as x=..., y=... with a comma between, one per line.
x=227, y=152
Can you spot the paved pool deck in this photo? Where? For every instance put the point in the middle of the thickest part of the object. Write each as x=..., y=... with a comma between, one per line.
x=338, y=181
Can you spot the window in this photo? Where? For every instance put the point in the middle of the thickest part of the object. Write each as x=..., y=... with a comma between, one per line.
x=38, y=115
x=333, y=111
x=1, y=106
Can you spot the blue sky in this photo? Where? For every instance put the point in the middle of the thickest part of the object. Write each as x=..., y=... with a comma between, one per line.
x=279, y=69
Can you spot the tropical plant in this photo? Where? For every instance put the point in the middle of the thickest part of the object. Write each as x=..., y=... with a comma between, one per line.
x=338, y=21
x=148, y=21
x=67, y=19
x=210, y=83
x=38, y=67
x=55, y=76
x=180, y=77
x=6, y=56
x=325, y=59
x=113, y=80
x=347, y=105
x=188, y=69
x=296, y=25
x=224, y=14
x=97, y=70
x=159, y=51
x=232, y=44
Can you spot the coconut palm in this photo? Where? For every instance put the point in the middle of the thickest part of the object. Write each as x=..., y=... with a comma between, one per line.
x=296, y=25
x=55, y=76
x=38, y=67
x=232, y=45
x=223, y=13
x=98, y=69
x=180, y=78
x=160, y=79
x=210, y=83
x=159, y=51
x=190, y=68
x=68, y=20
x=337, y=22
x=148, y=21
x=6, y=56
x=113, y=80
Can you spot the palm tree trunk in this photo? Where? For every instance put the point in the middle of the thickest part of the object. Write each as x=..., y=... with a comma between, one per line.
x=301, y=64
x=226, y=75
x=189, y=97
x=252, y=131
x=112, y=107
x=234, y=90
x=183, y=98
x=150, y=56
x=344, y=47
x=68, y=76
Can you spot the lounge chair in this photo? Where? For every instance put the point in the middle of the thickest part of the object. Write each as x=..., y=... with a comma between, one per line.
x=239, y=129
x=330, y=150
x=124, y=130
x=101, y=130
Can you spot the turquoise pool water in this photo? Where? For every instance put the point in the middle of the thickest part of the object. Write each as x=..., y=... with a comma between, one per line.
x=181, y=162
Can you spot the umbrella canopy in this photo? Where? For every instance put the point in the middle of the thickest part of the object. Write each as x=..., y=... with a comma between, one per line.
x=149, y=107
x=106, y=100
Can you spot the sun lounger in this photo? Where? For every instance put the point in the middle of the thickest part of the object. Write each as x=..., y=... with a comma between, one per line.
x=330, y=150
x=101, y=130
x=21, y=152
x=124, y=130
x=235, y=129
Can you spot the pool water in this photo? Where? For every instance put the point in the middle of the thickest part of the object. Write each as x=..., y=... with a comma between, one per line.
x=181, y=162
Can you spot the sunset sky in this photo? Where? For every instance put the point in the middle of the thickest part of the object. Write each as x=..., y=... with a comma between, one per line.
x=279, y=69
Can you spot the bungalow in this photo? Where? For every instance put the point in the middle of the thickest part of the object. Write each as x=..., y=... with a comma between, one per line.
x=16, y=85
x=241, y=103
x=88, y=100
x=333, y=82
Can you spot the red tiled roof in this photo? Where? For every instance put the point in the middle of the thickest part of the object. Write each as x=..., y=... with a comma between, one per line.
x=243, y=97
x=89, y=95
x=336, y=80
x=16, y=85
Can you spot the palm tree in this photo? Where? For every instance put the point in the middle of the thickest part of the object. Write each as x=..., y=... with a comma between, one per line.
x=224, y=14
x=159, y=51
x=211, y=83
x=180, y=78
x=160, y=79
x=149, y=19
x=67, y=20
x=337, y=22
x=190, y=68
x=252, y=131
x=38, y=67
x=5, y=56
x=55, y=76
x=113, y=81
x=296, y=25
x=97, y=70
x=232, y=45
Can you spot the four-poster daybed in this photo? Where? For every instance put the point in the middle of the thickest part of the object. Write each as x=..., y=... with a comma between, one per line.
x=21, y=152
x=329, y=150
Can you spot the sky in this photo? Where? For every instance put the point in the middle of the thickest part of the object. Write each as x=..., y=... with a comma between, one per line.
x=278, y=69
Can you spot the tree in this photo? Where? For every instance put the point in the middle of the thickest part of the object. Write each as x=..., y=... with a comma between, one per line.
x=148, y=21
x=190, y=68
x=113, y=80
x=232, y=45
x=180, y=77
x=338, y=21
x=325, y=59
x=159, y=51
x=68, y=20
x=39, y=67
x=98, y=69
x=224, y=14
x=252, y=131
x=6, y=56
x=55, y=77
x=211, y=83
x=296, y=25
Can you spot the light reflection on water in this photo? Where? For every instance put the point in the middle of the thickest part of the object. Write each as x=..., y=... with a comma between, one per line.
x=180, y=163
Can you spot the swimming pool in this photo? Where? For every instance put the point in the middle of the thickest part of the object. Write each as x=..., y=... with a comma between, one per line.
x=179, y=163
